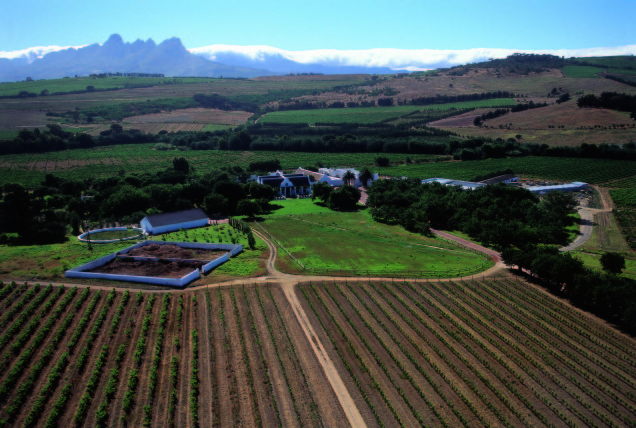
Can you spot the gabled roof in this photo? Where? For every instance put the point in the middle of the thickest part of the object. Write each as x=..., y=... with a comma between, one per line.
x=300, y=181
x=176, y=217
x=274, y=181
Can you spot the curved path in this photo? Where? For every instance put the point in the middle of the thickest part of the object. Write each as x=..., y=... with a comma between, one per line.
x=587, y=222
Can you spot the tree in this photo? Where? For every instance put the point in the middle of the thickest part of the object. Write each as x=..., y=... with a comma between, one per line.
x=248, y=208
x=382, y=161
x=321, y=191
x=344, y=198
x=181, y=165
x=214, y=204
x=349, y=177
x=613, y=262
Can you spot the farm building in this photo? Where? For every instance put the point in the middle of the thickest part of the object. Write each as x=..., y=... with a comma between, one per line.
x=287, y=184
x=506, y=179
x=339, y=174
x=450, y=182
x=318, y=177
x=169, y=222
x=570, y=187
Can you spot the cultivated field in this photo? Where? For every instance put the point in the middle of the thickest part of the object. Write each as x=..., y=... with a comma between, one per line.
x=557, y=125
x=371, y=114
x=227, y=357
x=30, y=169
x=476, y=353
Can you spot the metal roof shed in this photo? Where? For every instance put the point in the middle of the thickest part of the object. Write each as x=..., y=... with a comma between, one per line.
x=169, y=222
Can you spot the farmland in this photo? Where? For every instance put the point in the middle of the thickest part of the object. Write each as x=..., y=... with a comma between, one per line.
x=594, y=171
x=476, y=353
x=348, y=242
x=30, y=169
x=365, y=115
x=95, y=358
x=624, y=198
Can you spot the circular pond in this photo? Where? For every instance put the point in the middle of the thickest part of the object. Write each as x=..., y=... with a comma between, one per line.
x=111, y=234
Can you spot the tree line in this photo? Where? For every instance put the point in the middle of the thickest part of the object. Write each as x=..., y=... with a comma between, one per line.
x=610, y=100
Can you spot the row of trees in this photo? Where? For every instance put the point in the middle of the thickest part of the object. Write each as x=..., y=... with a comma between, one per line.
x=610, y=100
x=606, y=294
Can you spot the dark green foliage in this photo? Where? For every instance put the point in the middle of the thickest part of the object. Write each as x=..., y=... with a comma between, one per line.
x=344, y=198
x=382, y=161
x=608, y=295
x=613, y=262
x=610, y=100
x=321, y=191
x=496, y=215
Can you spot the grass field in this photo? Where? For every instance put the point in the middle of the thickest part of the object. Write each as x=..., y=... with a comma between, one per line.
x=593, y=261
x=353, y=241
x=371, y=114
x=581, y=71
x=472, y=354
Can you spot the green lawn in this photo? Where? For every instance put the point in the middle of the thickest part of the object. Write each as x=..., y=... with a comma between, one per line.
x=594, y=261
x=581, y=71
x=296, y=207
x=354, y=241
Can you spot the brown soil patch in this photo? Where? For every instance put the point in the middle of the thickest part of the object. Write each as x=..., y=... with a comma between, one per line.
x=175, y=252
x=193, y=115
x=146, y=268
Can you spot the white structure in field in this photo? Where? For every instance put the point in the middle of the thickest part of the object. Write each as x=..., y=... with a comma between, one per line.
x=571, y=187
x=287, y=185
x=169, y=222
x=339, y=173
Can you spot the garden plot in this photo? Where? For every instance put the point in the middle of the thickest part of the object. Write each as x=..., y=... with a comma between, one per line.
x=157, y=269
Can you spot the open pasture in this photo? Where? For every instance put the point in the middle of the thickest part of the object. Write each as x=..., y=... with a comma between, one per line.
x=193, y=115
x=353, y=241
x=472, y=354
x=371, y=114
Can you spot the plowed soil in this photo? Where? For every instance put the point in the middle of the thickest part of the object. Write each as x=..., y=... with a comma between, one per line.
x=175, y=252
x=159, y=269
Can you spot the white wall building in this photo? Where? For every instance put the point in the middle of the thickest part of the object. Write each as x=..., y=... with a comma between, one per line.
x=340, y=172
x=169, y=222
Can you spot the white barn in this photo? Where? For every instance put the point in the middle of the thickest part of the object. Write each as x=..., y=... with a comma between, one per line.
x=169, y=222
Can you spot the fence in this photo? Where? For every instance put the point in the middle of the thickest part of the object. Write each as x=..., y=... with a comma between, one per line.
x=385, y=273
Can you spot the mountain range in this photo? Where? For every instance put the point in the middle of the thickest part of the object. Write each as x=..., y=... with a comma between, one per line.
x=169, y=57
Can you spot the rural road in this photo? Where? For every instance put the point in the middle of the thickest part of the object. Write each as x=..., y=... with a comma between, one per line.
x=587, y=223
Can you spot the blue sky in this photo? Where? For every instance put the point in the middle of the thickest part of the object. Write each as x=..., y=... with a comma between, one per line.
x=303, y=25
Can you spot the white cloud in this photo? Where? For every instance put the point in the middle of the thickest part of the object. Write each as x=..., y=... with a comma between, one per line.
x=31, y=54
x=411, y=59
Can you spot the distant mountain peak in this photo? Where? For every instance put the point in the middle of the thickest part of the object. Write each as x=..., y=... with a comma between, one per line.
x=114, y=39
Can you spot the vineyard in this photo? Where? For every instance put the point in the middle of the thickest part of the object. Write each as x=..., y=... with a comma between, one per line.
x=624, y=198
x=487, y=352
x=104, y=358
x=595, y=171
x=30, y=169
x=365, y=115
x=475, y=353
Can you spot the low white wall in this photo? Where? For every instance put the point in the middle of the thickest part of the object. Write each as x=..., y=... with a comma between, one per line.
x=176, y=282
x=94, y=264
x=214, y=263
